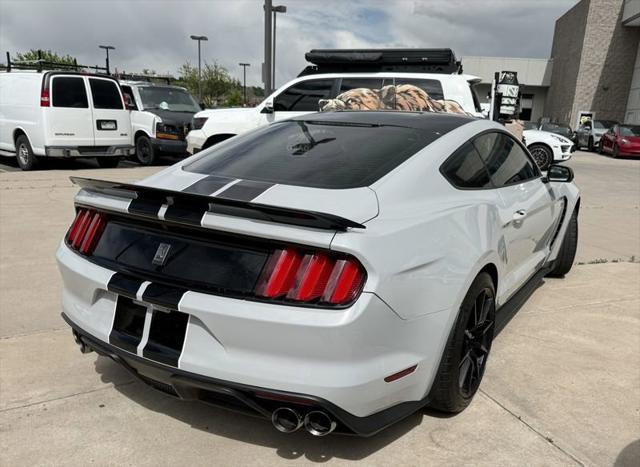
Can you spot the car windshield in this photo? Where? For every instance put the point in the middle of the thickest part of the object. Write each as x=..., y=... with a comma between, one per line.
x=603, y=124
x=557, y=128
x=166, y=98
x=630, y=130
x=321, y=154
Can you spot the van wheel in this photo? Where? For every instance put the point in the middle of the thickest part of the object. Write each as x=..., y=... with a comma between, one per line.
x=108, y=162
x=567, y=253
x=145, y=154
x=24, y=154
x=465, y=356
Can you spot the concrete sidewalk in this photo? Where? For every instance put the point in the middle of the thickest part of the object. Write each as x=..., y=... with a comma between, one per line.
x=562, y=385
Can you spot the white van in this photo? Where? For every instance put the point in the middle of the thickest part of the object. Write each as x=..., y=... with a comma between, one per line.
x=63, y=114
x=161, y=117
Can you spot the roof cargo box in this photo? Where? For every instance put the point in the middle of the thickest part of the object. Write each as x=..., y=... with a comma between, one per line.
x=371, y=60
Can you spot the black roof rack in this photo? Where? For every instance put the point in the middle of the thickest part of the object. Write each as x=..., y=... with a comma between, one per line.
x=145, y=77
x=372, y=60
x=46, y=65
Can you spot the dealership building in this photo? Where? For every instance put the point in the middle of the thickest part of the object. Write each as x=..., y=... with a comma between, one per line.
x=594, y=66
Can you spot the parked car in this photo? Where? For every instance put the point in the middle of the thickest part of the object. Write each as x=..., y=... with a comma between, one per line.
x=366, y=69
x=547, y=148
x=62, y=114
x=161, y=117
x=621, y=140
x=588, y=134
x=558, y=129
x=336, y=271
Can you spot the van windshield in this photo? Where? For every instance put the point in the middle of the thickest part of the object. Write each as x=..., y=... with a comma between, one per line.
x=165, y=98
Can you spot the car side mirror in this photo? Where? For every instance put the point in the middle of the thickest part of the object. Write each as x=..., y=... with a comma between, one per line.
x=268, y=107
x=130, y=105
x=559, y=173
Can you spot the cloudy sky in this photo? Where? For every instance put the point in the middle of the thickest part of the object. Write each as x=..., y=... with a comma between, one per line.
x=155, y=34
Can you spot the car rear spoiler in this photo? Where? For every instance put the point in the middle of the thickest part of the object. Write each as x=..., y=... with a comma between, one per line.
x=197, y=204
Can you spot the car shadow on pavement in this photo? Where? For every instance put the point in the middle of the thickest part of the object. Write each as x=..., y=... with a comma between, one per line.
x=252, y=430
x=629, y=456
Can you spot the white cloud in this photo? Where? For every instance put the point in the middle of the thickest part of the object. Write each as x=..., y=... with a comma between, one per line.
x=155, y=34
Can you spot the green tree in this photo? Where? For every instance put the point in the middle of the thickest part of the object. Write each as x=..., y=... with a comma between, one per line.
x=46, y=55
x=217, y=83
x=234, y=99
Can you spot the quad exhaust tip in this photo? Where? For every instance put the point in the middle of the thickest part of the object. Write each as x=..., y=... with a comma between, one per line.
x=286, y=420
x=319, y=423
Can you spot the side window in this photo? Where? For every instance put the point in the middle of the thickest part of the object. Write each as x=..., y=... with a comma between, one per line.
x=465, y=169
x=348, y=84
x=69, y=92
x=105, y=94
x=303, y=96
x=433, y=87
x=505, y=159
x=126, y=90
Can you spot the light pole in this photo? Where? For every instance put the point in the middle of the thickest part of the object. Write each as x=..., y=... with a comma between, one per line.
x=276, y=10
x=244, y=77
x=107, y=48
x=199, y=39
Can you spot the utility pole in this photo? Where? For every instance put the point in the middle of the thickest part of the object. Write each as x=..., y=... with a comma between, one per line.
x=267, y=66
x=276, y=10
x=107, y=48
x=199, y=39
x=244, y=82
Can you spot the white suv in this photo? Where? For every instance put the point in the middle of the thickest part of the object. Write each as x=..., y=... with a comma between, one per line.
x=302, y=95
x=62, y=114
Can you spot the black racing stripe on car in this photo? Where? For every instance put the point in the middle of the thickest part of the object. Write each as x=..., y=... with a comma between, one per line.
x=162, y=295
x=186, y=211
x=122, y=284
x=128, y=324
x=166, y=337
x=145, y=206
x=245, y=190
x=208, y=185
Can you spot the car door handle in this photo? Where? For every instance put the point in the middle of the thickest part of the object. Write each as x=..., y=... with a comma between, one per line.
x=519, y=215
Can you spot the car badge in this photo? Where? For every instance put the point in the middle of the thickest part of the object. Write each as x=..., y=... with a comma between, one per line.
x=161, y=254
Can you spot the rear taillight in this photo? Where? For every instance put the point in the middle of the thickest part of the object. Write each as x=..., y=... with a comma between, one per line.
x=44, y=98
x=85, y=231
x=315, y=277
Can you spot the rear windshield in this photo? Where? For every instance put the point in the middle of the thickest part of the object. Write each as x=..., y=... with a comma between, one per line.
x=315, y=154
x=630, y=131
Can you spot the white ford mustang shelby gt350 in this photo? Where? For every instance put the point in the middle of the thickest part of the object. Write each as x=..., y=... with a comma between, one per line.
x=336, y=271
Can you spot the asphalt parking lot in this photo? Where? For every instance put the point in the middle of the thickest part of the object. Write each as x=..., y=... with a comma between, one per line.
x=562, y=385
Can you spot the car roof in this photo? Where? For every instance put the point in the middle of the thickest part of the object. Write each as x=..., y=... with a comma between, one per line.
x=418, y=120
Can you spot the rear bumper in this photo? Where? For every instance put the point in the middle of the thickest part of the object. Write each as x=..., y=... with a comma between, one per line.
x=338, y=357
x=169, y=146
x=249, y=400
x=89, y=151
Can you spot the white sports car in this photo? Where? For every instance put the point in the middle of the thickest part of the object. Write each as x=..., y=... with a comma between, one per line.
x=336, y=271
x=546, y=147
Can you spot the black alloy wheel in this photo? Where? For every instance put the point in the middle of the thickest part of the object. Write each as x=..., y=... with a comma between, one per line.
x=478, y=335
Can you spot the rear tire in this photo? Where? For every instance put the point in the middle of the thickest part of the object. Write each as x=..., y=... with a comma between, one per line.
x=542, y=155
x=590, y=145
x=145, y=154
x=24, y=154
x=108, y=162
x=467, y=350
x=567, y=253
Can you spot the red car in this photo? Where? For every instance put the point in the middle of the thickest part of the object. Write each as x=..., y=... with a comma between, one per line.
x=621, y=140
